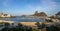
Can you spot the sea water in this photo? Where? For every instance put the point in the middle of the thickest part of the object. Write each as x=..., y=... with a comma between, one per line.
x=24, y=19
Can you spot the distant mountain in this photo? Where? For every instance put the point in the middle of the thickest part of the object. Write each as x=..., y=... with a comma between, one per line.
x=58, y=13
x=43, y=14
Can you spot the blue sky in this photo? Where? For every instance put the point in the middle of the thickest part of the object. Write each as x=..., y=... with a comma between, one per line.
x=20, y=7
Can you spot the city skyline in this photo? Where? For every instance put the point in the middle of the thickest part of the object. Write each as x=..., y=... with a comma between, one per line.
x=20, y=7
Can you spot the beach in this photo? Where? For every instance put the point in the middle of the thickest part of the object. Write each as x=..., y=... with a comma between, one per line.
x=29, y=23
x=23, y=23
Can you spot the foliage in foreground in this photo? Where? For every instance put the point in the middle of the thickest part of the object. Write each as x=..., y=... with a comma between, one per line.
x=20, y=27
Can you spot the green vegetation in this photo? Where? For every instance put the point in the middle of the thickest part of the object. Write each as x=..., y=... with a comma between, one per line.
x=51, y=17
x=56, y=17
x=48, y=20
x=20, y=27
x=53, y=28
x=35, y=29
x=1, y=22
x=40, y=26
x=37, y=23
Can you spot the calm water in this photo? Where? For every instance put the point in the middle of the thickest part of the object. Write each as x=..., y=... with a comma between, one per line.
x=23, y=19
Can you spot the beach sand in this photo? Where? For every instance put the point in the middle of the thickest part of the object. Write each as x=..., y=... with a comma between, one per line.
x=29, y=23
x=23, y=23
x=6, y=21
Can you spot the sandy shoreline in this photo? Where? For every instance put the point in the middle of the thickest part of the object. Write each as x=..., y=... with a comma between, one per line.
x=29, y=23
x=7, y=21
x=24, y=23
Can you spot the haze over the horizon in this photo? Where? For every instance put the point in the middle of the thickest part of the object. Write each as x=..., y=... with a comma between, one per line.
x=20, y=7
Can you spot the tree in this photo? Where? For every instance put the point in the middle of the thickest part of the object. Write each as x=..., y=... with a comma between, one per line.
x=6, y=24
x=43, y=25
x=19, y=24
x=48, y=20
x=6, y=28
x=35, y=29
x=52, y=28
x=38, y=25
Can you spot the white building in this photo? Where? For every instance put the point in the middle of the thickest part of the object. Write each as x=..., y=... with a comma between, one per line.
x=6, y=15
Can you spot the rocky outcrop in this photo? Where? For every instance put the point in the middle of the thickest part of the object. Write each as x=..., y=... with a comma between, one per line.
x=58, y=13
x=40, y=14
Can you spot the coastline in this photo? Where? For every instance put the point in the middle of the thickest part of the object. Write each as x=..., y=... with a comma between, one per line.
x=31, y=24
x=6, y=21
x=23, y=23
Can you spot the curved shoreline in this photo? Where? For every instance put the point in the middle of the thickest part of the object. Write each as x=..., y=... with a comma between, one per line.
x=7, y=21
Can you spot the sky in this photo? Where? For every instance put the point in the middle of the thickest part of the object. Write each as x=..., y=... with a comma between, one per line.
x=28, y=7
